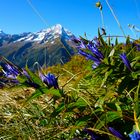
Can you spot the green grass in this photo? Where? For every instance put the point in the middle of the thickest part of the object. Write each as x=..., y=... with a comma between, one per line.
x=32, y=120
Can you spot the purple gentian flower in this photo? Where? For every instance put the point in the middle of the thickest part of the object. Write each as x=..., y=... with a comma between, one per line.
x=50, y=80
x=88, y=56
x=98, y=56
x=135, y=136
x=92, y=47
x=125, y=61
x=10, y=71
x=95, y=54
x=116, y=133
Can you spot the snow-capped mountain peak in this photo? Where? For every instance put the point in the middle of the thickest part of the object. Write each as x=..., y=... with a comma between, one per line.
x=57, y=29
x=46, y=35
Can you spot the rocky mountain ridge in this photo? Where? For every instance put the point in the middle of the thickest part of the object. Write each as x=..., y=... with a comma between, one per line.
x=49, y=46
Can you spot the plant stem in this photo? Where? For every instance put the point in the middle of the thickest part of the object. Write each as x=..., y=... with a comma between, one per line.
x=120, y=37
x=115, y=17
x=102, y=18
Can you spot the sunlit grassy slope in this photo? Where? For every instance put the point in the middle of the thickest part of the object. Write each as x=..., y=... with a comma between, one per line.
x=20, y=120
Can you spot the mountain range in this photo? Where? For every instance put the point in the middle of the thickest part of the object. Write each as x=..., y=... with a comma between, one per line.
x=49, y=46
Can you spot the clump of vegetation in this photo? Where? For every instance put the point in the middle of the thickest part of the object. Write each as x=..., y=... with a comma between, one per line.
x=94, y=96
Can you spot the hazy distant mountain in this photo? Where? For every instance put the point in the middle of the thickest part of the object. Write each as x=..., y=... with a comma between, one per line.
x=50, y=45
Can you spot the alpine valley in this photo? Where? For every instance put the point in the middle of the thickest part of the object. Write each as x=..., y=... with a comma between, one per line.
x=49, y=46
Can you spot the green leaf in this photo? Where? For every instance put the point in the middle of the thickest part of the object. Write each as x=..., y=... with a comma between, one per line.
x=84, y=40
x=43, y=122
x=136, y=100
x=22, y=79
x=136, y=74
x=106, y=97
x=111, y=106
x=106, y=76
x=124, y=83
x=116, y=41
x=100, y=102
x=80, y=103
x=109, y=41
x=54, y=92
x=44, y=90
x=82, y=121
x=127, y=40
x=34, y=77
x=36, y=94
x=106, y=118
x=136, y=63
x=60, y=108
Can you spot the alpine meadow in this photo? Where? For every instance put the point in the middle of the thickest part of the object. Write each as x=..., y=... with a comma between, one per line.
x=55, y=85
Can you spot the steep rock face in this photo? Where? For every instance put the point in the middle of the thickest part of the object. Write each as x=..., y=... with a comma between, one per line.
x=48, y=46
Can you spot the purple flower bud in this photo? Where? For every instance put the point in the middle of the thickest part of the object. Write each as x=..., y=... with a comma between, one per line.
x=116, y=133
x=135, y=136
x=125, y=61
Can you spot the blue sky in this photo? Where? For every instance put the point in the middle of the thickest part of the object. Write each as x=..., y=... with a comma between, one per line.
x=79, y=16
